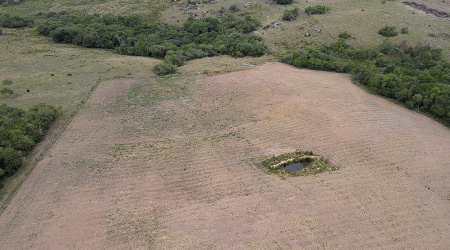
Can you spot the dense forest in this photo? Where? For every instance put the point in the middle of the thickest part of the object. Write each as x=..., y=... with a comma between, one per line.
x=130, y=35
x=415, y=76
x=19, y=131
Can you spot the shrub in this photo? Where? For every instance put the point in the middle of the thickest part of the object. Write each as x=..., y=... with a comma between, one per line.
x=234, y=8
x=1, y=32
x=284, y=1
x=318, y=9
x=388, y=31
x=290, y=15
x=7, y=82
x=175, y=59
x=162, y=69
x=344, y=35
x=6, y=91
x=7, y=21
x=404, y=31
x=64, y=34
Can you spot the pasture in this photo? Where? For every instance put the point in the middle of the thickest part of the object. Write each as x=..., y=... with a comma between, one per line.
x=139, y=161
x=170, y=163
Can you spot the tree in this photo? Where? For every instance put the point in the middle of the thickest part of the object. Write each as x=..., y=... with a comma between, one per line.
x=10, y=160
x=417, y=99
x=20, y=141
x=19, y=131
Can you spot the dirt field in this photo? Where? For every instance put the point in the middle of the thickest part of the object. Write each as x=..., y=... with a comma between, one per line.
x=169, y=163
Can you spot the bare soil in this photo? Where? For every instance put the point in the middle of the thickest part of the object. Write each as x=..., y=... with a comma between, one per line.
x=170, y=164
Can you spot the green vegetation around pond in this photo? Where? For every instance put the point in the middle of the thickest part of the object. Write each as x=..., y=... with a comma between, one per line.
x=313, y=164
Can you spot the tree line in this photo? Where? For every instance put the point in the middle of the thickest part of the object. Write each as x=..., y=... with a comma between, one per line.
x=19, y=131
x=130, y=35
x=416, y=76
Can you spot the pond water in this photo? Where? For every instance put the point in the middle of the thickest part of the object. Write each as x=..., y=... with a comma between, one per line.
x=296, y=166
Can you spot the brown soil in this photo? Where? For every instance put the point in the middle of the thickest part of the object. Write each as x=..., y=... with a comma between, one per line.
x=135, y=172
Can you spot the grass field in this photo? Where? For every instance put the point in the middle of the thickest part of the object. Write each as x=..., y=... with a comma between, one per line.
x=30, y=60
x=137, y=161
x=170, y=163
x=362, y=19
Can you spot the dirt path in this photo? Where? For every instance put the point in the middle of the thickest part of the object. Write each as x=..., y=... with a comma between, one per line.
x=168, y=164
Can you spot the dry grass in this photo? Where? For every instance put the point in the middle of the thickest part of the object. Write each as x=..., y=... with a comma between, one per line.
x=167, y=163
x=30, y=60
x=362, y=19
x=150, y=9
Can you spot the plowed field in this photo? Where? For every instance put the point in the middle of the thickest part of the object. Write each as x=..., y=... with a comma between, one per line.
x=170, y=164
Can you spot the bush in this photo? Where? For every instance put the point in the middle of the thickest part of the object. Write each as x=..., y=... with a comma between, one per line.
x=6, y=91
x=175, y=59
x=283, y=1
x=234, y=8
x=290, y=15
x=1, y=32
x=344, y=35
x=388, y=31
x=165, y=69
x=318, y=9
x=7, y=21
x=404, y=31
x=7, y=82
